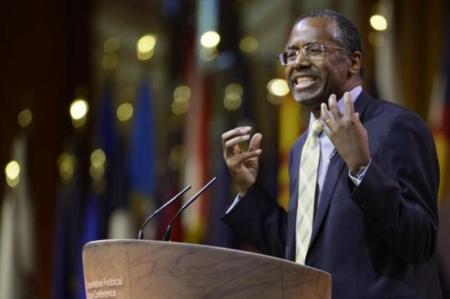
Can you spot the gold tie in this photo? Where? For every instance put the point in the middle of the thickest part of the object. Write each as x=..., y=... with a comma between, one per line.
x=309, y=164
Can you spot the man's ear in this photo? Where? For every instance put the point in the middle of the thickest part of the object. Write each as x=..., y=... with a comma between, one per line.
x=356, y=63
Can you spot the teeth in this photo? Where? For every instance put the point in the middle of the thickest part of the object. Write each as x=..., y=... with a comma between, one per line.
x=304, y=79
x=303, y=82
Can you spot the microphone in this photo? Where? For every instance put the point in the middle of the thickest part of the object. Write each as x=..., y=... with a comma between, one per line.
x=168, y=231
x=141, y=231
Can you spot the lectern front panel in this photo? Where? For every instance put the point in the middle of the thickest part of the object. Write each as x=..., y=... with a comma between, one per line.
x=152, y=269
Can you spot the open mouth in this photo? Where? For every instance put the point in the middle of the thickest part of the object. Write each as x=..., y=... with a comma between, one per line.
x=303, y=82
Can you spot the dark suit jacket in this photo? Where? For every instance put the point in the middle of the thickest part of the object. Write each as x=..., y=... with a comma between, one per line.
x=377, y=239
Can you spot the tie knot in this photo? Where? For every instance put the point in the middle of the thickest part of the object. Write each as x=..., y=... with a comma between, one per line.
x=316, y=128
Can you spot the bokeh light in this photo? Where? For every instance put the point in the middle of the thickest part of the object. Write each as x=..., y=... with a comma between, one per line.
x=181, y=99
x=378, y=22
x=78, y=109
x=124, y=112
x=210, y=39
x=66, y=166
x=278, y=87
x=248, y=44
x=146, y=46
x=24, y=118
x=12, y=173
x=111, y=45
x=233, y=96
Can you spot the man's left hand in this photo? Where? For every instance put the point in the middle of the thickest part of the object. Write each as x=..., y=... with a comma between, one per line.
x=346, y=132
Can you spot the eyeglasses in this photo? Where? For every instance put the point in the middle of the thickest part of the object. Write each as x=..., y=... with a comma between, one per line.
x=314, y=51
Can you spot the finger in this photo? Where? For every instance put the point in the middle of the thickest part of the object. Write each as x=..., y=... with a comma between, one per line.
x=349, y=107
x=357, y=120
x=327, y=131
x=325, y=115
x=334, y=109
x=255, y=142
x=246, y=156
x=235, y=132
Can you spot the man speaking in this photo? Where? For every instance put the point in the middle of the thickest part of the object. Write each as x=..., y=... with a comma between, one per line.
x=363, y=177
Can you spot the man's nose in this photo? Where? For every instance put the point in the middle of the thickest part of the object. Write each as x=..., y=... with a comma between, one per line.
x=301, y=58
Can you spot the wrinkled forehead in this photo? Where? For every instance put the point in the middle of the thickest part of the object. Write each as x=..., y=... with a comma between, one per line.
x=314, y=29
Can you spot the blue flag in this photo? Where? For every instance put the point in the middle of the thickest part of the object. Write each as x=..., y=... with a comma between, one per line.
x=103, y=196
x=67, y=247
x=142, y=152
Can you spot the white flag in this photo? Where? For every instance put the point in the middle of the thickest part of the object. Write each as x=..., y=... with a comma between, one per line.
x=16, y=233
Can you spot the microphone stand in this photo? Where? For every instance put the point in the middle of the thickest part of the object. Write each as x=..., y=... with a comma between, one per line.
x=168, y=231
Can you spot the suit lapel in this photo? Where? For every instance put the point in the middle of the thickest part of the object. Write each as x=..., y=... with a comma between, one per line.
x=334, y=171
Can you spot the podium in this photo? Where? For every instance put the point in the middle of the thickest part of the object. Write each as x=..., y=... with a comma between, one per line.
x=143, y=269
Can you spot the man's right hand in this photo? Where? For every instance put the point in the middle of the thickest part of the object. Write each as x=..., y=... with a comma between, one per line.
x=243, y=164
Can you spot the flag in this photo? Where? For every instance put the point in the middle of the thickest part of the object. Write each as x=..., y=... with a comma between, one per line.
x=440, y=120
x=386, y=79
x=171, y=8
x=443, y=248
x=68, y=222
x=141, y=155
x=120, y=224
x=16, y=232
x=196, y=133
x=101, y=197
x=141, y=161
x=196, y=169
x=90, y=232
x=440, y=123
x=107, y=169
x=7, y=271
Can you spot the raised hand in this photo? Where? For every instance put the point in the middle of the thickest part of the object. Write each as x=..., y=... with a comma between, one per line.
x=242, y=163
x=346, y=132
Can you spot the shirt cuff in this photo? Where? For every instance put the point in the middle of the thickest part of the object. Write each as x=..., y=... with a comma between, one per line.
x=237, y=199
x=359, y=176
